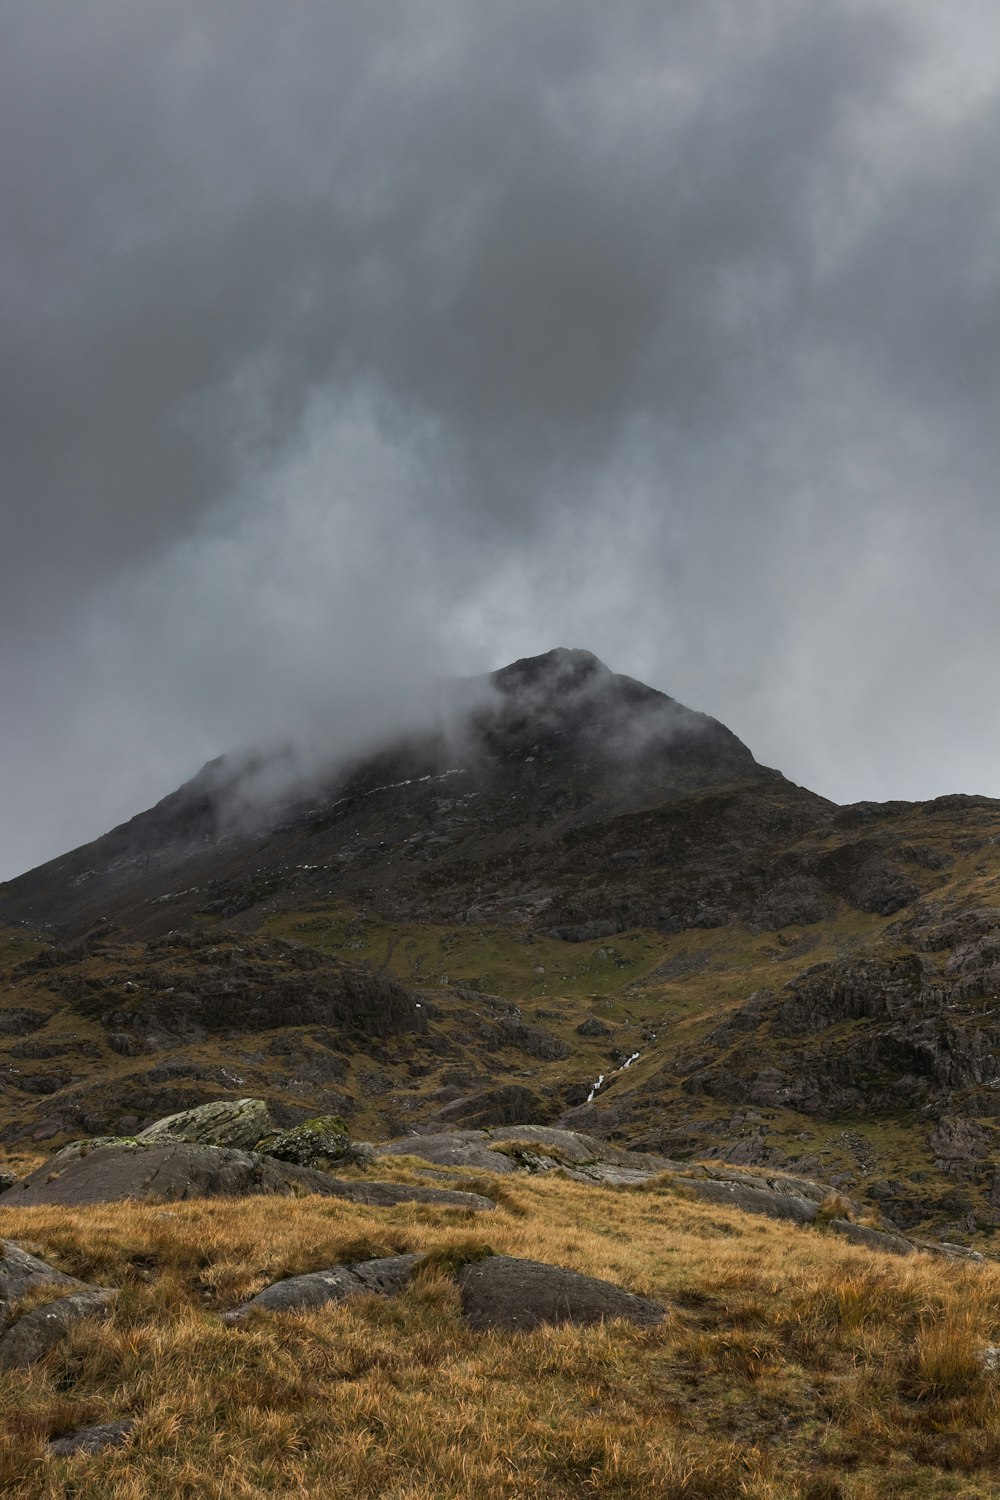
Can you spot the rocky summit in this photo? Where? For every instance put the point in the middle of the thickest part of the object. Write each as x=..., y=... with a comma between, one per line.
x=564, y=900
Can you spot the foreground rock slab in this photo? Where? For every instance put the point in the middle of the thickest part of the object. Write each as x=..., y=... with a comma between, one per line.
x=502, y=1293
x=21, y=1273
x=174, y=1170
x=40, y=1330
x=93, y=1439
x=387, y=1277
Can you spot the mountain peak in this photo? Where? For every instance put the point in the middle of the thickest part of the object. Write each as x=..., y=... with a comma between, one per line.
x=560, y=668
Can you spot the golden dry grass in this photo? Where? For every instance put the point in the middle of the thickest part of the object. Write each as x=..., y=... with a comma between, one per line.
x=790, y=1364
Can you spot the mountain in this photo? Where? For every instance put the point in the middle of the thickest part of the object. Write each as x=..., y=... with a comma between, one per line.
x=563, y=897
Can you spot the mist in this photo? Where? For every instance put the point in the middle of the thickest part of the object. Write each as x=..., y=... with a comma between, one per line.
x=352, y=348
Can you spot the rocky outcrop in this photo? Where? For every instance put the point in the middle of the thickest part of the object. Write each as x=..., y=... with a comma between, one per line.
x=872, y=1239
x=386, y=1277
x=500, y=1106
x=752, y=1199
x=170, y=1171
x=497, y=1292
x=21, y=1273
x=503, y=1294
x=322, y=1143
x=26, y=1336
x=239, y=1123
x=38, y=1331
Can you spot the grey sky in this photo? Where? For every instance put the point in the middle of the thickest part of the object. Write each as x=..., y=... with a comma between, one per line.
x=345, y=345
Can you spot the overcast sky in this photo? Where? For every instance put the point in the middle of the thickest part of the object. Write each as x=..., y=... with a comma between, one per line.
x=344, y=345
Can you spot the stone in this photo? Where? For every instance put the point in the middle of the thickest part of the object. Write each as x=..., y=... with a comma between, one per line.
x=872, y=1239
x=174, y=1170
x=453, y=1148
x=504, y=1105
x=516, y=1296
x=386, y=1277
x=93, y=1439
x=593, y=1027
x=43, y=1327
x=322, y=1143
x=753, y=1200
x=21, y=1273
x=958, y=1139
x=239, y=1123
x=7, y=1180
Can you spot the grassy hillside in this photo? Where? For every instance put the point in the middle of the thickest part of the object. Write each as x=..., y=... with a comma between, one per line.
x=790, y=1366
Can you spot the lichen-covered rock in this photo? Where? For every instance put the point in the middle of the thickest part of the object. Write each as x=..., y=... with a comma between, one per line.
x=323, y=1143
x=238, y=1123
x=501, y=1292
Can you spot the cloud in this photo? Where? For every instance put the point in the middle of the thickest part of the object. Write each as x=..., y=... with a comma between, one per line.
x=349, y=346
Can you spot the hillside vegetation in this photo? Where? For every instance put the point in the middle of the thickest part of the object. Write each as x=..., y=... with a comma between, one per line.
x=789, y=1366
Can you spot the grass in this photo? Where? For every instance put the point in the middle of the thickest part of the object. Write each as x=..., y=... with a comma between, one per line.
x=790, y=1366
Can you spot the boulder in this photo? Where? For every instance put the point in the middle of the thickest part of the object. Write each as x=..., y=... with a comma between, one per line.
x=753, y=1199
x=43, y=1327
x=386, y=1277
x=239, y=1123
x=452, y=1148
x=593, y=1027
x=93, y=1439
x=872, y=1239
x=503, y=1293
x=172, y=1170
x=323, y=1142
x=21, y=1273
x=531, y=1148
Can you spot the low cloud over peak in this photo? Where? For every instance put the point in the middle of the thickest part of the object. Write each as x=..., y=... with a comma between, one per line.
x=355, y=346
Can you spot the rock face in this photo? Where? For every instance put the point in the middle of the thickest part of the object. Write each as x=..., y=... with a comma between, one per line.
x=451, y=1148
x=387, y=1277
x=170, y=1171
x=239, y=1123
x=531, y=1148
x=516, y=1296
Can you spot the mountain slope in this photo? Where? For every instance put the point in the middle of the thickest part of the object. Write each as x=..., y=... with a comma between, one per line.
x=562, y=877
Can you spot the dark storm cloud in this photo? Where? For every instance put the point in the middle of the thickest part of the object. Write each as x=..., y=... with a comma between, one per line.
x=345, y=345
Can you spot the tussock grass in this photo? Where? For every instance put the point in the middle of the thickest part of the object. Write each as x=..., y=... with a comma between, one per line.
x=791, y=1366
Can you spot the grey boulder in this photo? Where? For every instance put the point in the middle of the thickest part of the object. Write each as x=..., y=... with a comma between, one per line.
x=386, y=1276
x=93, y=1439
x=173, y=1170
x=872, y=1239
x=40, y=1330
x=503, y=1293
x=239, y=1123
x=21, y=1273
